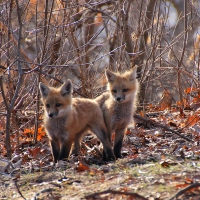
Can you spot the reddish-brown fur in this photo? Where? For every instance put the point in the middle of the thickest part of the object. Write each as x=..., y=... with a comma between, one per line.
x=118, y=104
x=66, y=119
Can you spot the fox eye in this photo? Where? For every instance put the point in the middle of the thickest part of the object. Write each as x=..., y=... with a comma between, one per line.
x=48, y=105
x=114, y=91
x=125, y=90
x=58, y=104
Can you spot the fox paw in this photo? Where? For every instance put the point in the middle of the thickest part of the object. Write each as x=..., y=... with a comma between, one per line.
x=108, y=156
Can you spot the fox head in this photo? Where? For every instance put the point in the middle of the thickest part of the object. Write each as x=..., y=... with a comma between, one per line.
x=123, y=87
x=56, y=101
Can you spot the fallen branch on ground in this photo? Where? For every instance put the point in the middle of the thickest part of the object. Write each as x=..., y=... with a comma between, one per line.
x=161, y=126
x=135, y=195
x=17, y=188
x=185, y=189
x=47, y=190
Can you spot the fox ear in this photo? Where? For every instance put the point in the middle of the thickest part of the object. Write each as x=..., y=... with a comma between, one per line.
x=44, y=90
x=133, y=73
x=110, y=76
x=66, y=88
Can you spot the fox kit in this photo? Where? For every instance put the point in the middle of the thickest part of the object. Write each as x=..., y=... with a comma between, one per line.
x=118, y=104
x=67, y=118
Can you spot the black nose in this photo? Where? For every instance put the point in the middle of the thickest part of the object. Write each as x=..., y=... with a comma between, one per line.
x=50, y=115
x=118, y=98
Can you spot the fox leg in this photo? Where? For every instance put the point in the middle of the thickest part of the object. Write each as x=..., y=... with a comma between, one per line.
x=55, y=149
x=108, y=154
x=65, y=149
x=107, y=148
x=119, y=136
x=77, y=141
x=109, y=134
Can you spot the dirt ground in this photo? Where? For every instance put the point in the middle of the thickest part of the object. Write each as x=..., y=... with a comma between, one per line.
x=123, y=179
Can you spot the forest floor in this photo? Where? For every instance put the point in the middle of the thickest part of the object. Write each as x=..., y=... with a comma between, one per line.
x=157, y=164
x=124, y=179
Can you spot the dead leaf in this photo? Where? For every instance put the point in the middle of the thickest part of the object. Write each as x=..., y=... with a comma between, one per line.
x=189, y=90
x=34, y=152
x=5, y=166
x=81, y=167
x=171, y=123
x=167, y=162
x=18, y=164
x=183, y=185
x=192, y=120
x=165, y=101
x=128, y=132
x=98, y=19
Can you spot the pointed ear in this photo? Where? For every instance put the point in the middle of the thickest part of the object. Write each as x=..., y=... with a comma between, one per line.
x=44, y=90
x=133, y=73
x=66, y=88
x=110, y=76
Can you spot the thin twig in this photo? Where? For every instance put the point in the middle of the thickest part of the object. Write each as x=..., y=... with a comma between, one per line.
x=182, y=54
x=3, y=93
x=75, y=65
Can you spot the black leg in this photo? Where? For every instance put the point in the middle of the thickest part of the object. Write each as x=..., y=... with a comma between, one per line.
x=55, y=149
x=65, y=150
x=117, y=148
x=104, y=156
x=108, y=153
x=119, y=136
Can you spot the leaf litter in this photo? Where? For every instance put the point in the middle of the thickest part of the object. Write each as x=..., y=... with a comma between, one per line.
x=156, y=163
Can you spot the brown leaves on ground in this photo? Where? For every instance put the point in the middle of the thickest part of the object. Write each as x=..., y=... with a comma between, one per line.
x=152, y=156
x=82, y=167
x=165, y=101
x=30, y=132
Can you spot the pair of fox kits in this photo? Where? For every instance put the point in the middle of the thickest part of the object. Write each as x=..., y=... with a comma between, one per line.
x=66, y=118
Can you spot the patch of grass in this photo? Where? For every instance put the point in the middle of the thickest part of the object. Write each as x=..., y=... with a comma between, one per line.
x=150, y=179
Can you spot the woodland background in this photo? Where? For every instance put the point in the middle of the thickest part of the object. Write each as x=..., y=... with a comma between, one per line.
x=53, y=40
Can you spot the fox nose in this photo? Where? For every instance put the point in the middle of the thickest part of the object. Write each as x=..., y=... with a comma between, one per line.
x=50, y=114
x=118, y=98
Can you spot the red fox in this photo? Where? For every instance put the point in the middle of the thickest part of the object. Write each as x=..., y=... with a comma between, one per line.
x=67, y=118
x=118, y=104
